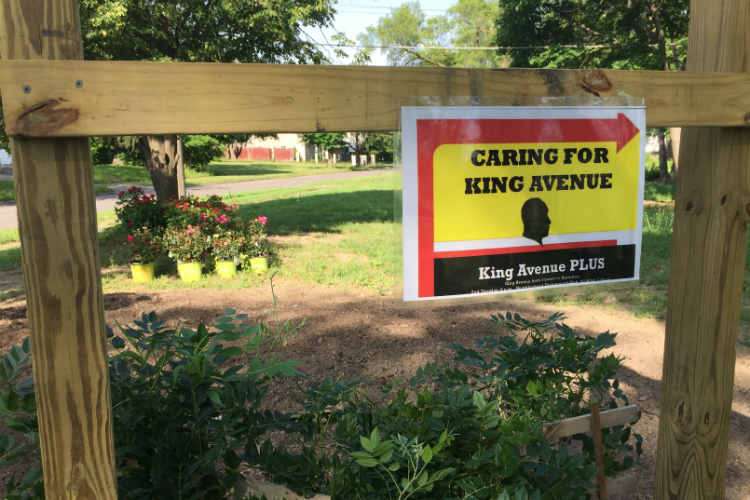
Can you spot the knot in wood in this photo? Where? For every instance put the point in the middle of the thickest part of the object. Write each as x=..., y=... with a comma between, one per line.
x=747, y=118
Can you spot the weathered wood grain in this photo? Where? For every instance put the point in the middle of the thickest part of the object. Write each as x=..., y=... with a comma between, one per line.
x=712, y=211
x=132, y=98
x=578, y=425
x=60, y=254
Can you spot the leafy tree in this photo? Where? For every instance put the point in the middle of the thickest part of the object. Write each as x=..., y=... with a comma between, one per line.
x=327, y=141
x=245, y=31
x=617, y=34
x=359, y=142
x=469, y=23
x=200, y=150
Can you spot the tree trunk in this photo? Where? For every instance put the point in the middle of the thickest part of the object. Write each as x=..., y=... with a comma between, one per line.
x=330, y=158
x=663, y=167
x=181, y=190
x=674, y=135
x=356, y=141
x=160, y=152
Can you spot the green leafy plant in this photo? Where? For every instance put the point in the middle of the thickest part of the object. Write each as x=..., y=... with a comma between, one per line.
x=186, y=244
x=200, y=150
x=136, y=209
x=227, y=245
x=256, y=240
x=477, y=436
x=186, y=405
x=144, y=246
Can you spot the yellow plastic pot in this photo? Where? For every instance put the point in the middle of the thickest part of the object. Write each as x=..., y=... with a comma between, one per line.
x=227, y=269
x=190, y=271
x=142, y=273
x=259, y=264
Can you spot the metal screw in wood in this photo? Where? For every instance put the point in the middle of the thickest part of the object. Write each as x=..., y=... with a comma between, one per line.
x=79, y=84
x=26, y=89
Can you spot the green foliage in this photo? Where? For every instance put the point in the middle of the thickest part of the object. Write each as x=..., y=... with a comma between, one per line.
x=136, y=209
x=200, y=150
x=195, y=30
x=144, y=245
x=183, y=414
x=324, y=140
x=623, y=34
x=101, y=152
x=186, y=243
x=478, y=436
x=469, y=23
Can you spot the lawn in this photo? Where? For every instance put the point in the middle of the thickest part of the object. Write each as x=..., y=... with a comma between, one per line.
x=342, y=233
x=7, y=193
x=225, y=171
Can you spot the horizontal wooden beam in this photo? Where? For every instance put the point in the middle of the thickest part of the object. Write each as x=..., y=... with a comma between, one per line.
x=578, y=425
x=42, y=99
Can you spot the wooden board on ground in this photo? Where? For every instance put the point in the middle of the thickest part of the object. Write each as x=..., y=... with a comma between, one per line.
x=137, y=98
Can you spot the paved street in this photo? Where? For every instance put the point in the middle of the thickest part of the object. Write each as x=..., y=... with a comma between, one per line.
x=104, y=202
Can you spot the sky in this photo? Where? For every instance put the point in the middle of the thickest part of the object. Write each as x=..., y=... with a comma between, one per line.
x=354, y=16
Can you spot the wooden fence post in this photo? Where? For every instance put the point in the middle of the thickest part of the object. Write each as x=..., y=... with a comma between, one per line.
x=712, y=210
x=57, y=224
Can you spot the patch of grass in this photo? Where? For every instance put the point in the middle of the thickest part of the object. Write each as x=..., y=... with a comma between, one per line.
x=325, y=207
x=125, y=174
x=10, y=258
x=7, y=192
x=234, y=171
x=8, y=236
x=101, y=189
x=659, y=192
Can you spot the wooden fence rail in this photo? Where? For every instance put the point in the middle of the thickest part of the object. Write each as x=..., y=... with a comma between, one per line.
x=99, y=98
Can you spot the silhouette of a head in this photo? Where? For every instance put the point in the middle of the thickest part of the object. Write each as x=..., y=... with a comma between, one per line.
x=536, y=222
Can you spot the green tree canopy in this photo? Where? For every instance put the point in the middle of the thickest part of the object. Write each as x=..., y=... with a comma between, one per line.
x=469, y=23
x=325, y=140
x=249, y=31
x=617, y=34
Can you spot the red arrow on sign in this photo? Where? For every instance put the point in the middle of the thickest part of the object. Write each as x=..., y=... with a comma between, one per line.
x=620, y=130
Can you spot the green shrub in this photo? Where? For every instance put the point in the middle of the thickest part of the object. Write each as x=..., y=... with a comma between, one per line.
x=136, y=209
x=200, y=150
x=101, y=154
x=479, y=435
x=178, y=413
x=184, y=425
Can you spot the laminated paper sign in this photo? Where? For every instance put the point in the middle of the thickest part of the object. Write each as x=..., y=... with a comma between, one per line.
x=504, y=199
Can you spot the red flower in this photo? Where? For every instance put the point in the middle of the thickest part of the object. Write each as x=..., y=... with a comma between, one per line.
x=216, y=210
x=130, y=238
x=174, y=196
x=130, y=224
x=121, y=193
x=185, y=206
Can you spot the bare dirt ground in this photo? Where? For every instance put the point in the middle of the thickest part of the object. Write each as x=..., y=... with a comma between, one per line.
x=352, y=333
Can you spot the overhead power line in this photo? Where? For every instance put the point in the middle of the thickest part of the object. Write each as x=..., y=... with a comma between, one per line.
x=528, y=47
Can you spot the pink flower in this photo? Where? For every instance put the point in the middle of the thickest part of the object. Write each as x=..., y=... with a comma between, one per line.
x=130, y=238
x=263, y=220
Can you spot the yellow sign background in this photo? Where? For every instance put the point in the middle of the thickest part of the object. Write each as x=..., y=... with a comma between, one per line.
x=462, y=217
